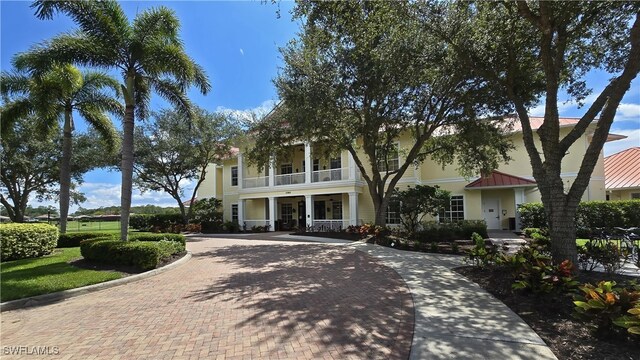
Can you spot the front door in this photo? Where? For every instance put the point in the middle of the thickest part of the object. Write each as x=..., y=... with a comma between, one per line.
x=302, y=215
x=491, y=211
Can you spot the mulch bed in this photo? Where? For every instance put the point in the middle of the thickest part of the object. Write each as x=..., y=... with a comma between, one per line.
x=550, y=317
x=123, y=269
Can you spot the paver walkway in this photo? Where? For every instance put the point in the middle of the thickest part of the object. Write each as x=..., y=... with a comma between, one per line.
x=234, y=299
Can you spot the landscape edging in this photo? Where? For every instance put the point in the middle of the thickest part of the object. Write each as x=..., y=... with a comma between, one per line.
x=70, y=293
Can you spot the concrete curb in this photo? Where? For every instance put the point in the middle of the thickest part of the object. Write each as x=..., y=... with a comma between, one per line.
x=67, y=294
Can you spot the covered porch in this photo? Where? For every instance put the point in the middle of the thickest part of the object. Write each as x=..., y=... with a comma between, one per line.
x=326, y=212
x=500, y=196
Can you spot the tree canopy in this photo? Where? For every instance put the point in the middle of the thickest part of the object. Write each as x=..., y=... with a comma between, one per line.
x=361, y=74
x=172, y=152
x=533, y=51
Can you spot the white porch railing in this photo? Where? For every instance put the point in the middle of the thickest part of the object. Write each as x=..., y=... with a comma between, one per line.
x=330, y=225
x=289, y=179
x=255, y=182
x=249, y=224
x=330, y=175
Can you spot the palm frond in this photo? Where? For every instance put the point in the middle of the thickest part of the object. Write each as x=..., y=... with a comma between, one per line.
x=155, y=23
x=142, y=97
x=104, y=21
x=14, y=83
x=13, y=111
x=173, y=92
x=100, y=101
x=70, y=48
x=102, y=124
x=172, y=61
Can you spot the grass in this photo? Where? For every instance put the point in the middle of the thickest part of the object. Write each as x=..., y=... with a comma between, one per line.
x=47, y=274
x=89, y=226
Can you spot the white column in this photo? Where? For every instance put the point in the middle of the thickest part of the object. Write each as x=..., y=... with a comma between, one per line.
x=518, y=195
x=352, y=167
x=215, y=181
x=240, y=171
x=241, y=219
x=308, y=202
x=272, y=171
x=272, y=213
x=353, y=208
x=308, y=167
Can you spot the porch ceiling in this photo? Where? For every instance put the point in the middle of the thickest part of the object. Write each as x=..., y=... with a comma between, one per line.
x=497, y=180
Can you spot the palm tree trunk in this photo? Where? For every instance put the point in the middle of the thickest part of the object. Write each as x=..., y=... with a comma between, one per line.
x=65, y=170
x=127, y=170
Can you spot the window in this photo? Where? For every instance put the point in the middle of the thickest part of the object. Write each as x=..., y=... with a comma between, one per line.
x=234, y=176
x=316, y=164
x=336, y=163
x=286, y=212
x=393, y=213
x=456, y=210
x=635, y=196
x=286, y=169
x=234, y=213
x=336, y=210
x=393, y=160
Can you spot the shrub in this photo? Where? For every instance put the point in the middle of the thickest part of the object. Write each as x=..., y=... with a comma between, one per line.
x=589, y=215
x=631, y=323
x=73, y=239
x=231, y=226
x=207, y=211
x=159, y=237
x=368, y=230
x=478, y=255
x=460, y=230
x=21, y=241
x=144, y=255
x=607, y=254
x=157, y=222
x=604, y=304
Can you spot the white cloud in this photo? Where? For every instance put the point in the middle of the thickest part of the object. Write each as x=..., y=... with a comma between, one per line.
x=633, y=139
x=249, y=115
x=241, y=52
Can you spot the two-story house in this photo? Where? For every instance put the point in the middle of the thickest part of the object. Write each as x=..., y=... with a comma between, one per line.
x=330, y=193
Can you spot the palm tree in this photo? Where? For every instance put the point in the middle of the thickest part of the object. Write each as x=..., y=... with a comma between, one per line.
x=57, y=94
x=148, y=52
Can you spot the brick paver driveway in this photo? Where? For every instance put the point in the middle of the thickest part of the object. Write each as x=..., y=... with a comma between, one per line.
x=234, y=299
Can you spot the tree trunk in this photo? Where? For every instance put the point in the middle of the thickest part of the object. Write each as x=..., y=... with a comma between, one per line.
x=127, y=169
x=65, y=169
x=562, y=231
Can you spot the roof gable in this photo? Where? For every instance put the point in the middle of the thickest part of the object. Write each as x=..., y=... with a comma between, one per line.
x=622, y=169
x=500, y=179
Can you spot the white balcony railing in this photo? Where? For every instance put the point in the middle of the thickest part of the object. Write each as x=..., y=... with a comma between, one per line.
x=289, y=179
x=255, y=182
x=330, y=175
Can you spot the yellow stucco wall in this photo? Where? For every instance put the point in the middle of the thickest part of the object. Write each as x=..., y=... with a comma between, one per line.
x=622, y=194
x=429, y=173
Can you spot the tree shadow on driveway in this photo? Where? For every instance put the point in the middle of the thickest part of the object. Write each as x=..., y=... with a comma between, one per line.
x=312, y=300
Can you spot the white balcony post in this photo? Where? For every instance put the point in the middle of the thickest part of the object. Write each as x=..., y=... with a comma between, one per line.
x=308, y=163
x=272, y=171
x=241, y=219
x=308, y=202
x=352, y=167
x=272, y=213
x=240, y=171
x=215, y=180
x=518, y=195
x=353, y=208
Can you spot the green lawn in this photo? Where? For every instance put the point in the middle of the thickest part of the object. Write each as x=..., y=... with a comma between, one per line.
x=86, y=226
x=51, y=273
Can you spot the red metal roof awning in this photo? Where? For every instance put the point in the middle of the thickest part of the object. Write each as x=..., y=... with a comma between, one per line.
x=499, y=179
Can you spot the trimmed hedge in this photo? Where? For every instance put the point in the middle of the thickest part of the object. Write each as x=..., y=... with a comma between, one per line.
x=159, y=237
x=21, y=241
x=590, y=214
x=460, y=230
x=144, y=255
x=155, y=222
x=73, y=239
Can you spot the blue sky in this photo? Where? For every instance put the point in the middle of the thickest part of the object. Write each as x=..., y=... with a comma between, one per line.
x=237, y=44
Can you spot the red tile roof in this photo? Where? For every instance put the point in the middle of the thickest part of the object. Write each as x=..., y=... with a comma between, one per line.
x=500, y=179
x=622, y=170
